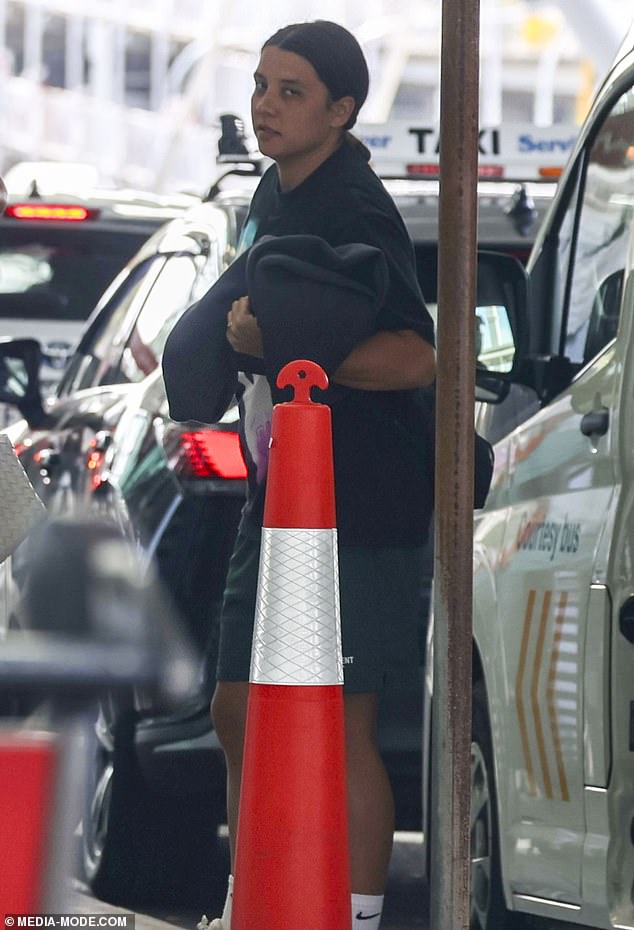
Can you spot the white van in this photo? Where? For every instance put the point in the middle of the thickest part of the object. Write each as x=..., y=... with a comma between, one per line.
x=552, y=830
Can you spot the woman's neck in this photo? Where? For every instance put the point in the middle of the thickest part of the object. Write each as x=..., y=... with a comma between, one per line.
x=293, y=171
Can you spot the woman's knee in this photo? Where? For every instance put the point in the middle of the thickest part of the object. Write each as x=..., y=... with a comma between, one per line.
x=228, y=715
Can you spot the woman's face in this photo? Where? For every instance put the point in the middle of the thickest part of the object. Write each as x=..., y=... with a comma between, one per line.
x=294, y=119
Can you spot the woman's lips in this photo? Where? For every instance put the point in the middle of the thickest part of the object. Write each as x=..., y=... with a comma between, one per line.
x=265, y=132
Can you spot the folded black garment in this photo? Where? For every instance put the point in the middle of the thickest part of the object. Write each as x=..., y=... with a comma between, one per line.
x=200, y=369
x=312, y=301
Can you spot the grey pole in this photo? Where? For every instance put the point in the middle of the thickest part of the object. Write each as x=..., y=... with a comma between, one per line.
x=451, y=723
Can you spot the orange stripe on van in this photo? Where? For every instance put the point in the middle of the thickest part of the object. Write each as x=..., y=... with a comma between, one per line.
x=550, y=696
x=537, y=662
x=519, y=688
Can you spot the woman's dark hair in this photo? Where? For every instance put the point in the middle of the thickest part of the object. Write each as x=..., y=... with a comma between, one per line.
x=335, y=55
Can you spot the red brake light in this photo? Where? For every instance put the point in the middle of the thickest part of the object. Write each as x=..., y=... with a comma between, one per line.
x=490, y=171
x=95, y=460
x=211, y=453
x=68, y=213
x=432, y=170
x=427, y=171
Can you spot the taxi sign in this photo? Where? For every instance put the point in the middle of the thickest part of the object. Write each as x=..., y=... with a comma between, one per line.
x=406, y=148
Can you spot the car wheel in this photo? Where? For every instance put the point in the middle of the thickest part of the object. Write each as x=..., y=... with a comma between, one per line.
x=488, y=908
x=110, y=835
x=139, y=847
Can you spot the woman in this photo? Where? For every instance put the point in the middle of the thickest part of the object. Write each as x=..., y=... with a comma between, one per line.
x=310, y=84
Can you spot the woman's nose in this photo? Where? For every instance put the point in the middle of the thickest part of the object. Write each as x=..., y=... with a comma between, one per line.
x=264, y=102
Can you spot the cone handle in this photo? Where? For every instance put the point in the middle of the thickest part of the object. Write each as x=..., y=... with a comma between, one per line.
x=302, y=375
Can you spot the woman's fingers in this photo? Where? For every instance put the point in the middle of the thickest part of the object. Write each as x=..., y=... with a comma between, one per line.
x=243, y=332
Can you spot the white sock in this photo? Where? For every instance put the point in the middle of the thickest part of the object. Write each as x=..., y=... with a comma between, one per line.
x=226, y=913
x=366, y=911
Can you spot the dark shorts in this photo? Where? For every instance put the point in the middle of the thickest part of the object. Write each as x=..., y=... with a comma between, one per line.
x=382, y=615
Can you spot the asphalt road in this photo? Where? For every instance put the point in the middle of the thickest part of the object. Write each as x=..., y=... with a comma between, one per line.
x=406, y=903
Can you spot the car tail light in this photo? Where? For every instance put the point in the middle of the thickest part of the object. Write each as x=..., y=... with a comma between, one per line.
x=553, y=172
x=95, y=460
x=432, y=170
x=94, y=464
x=211, y=453
x=67, y=213
x=491, y=171
x=423, y=170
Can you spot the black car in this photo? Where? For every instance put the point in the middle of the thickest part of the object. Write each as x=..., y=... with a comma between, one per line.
x=105, y=442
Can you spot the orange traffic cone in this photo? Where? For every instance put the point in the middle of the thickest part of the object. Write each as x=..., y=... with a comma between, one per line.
x=28, y=773
x=292, y=865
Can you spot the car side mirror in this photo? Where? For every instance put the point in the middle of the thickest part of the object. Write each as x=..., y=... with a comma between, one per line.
x=57, y=354
x=500, y=320
x=20, y=377
x=490, y=389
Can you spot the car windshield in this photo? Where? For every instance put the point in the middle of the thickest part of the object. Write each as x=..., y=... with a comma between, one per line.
x=58, y=274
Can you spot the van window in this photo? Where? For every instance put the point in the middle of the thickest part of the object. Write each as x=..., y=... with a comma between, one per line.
x=603, y=231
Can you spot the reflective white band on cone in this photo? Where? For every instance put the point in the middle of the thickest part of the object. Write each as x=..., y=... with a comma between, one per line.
x=297, y=635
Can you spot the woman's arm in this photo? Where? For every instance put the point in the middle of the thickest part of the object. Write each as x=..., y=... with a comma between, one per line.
x=390, y=360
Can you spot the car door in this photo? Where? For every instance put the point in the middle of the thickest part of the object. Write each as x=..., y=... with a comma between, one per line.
x=140, y=481
x=63, y=459
x=551, y=635
x=54, y=453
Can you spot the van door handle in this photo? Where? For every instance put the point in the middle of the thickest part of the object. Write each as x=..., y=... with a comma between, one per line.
x=596, y=422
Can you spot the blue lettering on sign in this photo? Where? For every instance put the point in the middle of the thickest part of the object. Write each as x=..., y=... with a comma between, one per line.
x=527, y=143
x=377, y=142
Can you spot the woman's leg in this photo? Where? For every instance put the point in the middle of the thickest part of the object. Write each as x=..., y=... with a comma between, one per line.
x=229, y=714
x=370, y=799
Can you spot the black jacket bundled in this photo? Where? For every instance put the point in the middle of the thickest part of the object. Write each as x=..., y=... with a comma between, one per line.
x=311, y=301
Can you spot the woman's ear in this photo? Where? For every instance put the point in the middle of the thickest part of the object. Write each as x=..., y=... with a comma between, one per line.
x=342, y=110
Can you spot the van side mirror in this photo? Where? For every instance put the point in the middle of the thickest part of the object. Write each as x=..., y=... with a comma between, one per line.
x=501, y=308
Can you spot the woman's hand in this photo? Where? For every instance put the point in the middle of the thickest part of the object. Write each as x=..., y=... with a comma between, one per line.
x=243, y=332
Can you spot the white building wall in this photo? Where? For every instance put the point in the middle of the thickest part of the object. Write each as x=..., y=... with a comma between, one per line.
x=170, y=142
